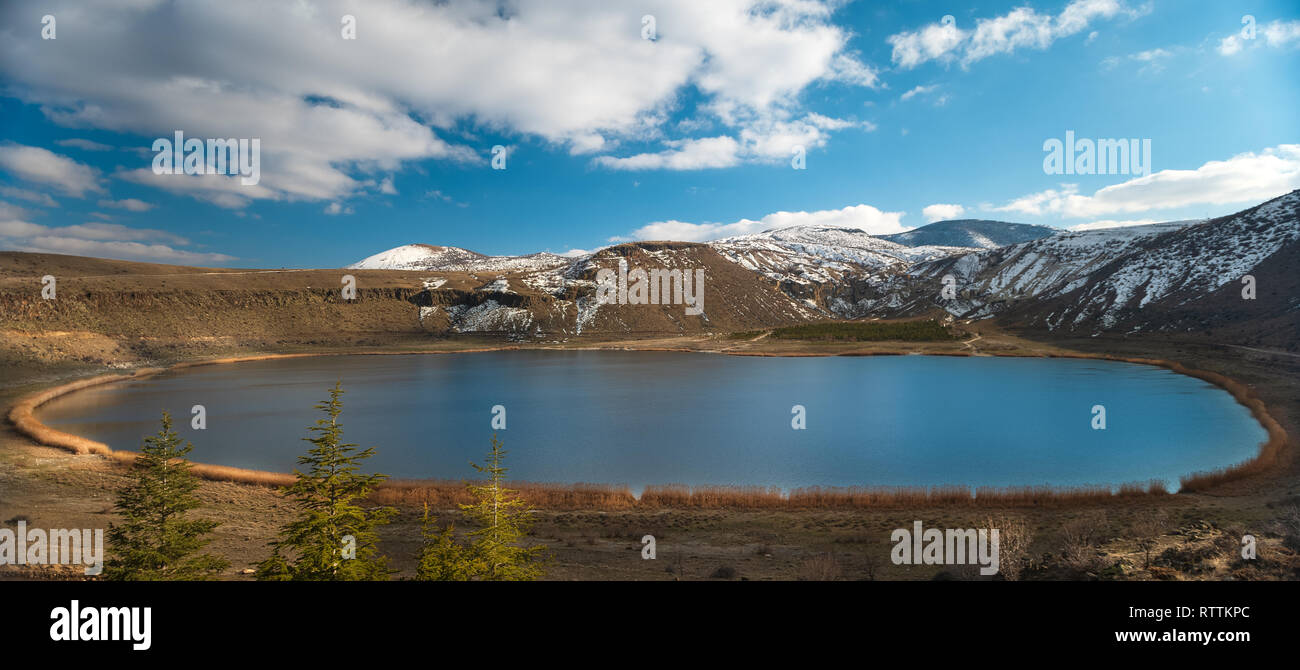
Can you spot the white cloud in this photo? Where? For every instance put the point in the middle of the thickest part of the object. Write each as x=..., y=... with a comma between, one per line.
x=772, y=140
x=1244, y=178
x=589, y=143
x=95, y=230
x=14, y=228
x=86, y=145
x=1277, y=34
x=8, y=211
x=103, y=240
x=850, y=70
x=1022, y=27
x=919, y=90
x=218, y=189
x=130, y=251
x=765, y=140
x=936, y=41
x=863, y=217
x=35, y=164
x=422, y=78
x=335, y=208
x=942, y=212
x=1281, y=33
x=1042, y=202
x=1102, y=225
x=694, y=154
x=1149, y=55
x=129, y=204
x=1152, y=60
x=1078, y=14
x=30, y=196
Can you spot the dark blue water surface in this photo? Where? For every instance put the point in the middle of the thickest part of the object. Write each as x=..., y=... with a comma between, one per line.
x=655, y=418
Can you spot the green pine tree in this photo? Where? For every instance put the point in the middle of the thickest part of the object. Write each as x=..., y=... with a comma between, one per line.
x=504, y=518
x=156, y=540
x=333, y=538
x=442, y=559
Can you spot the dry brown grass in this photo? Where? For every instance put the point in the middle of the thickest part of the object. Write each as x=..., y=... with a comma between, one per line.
x=1014, y=539
x=677, y=495
x=449, y=493
x=1078, y=539
x=23, y=418
x=820, y=568
x=821, y=497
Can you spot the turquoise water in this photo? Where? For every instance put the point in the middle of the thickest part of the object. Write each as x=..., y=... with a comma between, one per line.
x=656, y=417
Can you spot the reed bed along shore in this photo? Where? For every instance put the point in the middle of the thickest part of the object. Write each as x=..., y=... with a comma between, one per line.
x=22, y=415
x=446, y=493
x=821, y=497
x=1273, y=453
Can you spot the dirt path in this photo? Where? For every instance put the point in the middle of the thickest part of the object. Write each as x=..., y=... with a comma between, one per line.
x=1274, y=352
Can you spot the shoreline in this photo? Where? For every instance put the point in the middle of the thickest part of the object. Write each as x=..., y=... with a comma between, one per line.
x=599, y=496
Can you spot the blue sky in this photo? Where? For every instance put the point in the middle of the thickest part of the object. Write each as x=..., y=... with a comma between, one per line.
x=367, y=144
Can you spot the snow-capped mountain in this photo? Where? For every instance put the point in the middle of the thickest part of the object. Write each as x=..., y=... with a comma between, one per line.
x=976, y=233
x=453, y=259
x=1160, y=277
x=561, y=301
x=1048, y=267
x=1171, y=277
x=825, y=267
x=803, y=254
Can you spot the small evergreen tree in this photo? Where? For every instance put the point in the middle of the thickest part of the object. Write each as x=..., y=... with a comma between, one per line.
x=505, y=518
x=441, y=558
x=156, y=541
x=333, y=538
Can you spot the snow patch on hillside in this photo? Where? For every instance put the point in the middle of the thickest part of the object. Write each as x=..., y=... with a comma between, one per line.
x=487, y=317
x=453, y=259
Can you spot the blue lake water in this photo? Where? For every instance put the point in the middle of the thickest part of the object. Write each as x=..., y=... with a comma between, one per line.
x=659, y=417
